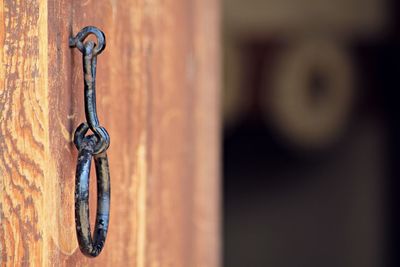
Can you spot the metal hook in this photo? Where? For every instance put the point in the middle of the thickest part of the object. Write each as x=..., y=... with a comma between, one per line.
x=90, y=51
x=94, y=145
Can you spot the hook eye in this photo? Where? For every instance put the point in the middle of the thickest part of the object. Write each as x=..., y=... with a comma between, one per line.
x=77, y=41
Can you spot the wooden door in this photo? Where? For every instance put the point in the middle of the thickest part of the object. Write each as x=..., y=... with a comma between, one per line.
x=157, y=95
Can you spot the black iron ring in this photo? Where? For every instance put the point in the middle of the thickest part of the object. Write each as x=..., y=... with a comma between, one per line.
x=91, y=246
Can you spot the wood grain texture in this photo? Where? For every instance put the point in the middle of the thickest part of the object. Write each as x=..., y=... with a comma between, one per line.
x=24, y=137
x=157, y=87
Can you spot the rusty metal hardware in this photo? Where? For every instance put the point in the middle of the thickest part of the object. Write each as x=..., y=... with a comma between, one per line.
x=92, y=145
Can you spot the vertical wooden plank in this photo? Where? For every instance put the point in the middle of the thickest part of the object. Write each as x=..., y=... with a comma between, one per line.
x=206, y=190
x=157, y=87
x=24, y=136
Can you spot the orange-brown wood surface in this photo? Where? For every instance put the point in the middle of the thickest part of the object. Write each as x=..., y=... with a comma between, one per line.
x=157, y=95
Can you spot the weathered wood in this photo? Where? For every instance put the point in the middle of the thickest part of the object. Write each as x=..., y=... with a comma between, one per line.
x=157, y=87
x=24, y=134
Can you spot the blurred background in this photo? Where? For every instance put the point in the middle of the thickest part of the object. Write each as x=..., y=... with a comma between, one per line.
x=311, y=135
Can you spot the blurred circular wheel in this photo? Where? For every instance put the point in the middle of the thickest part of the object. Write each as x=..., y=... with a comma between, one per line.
x=311, y=94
